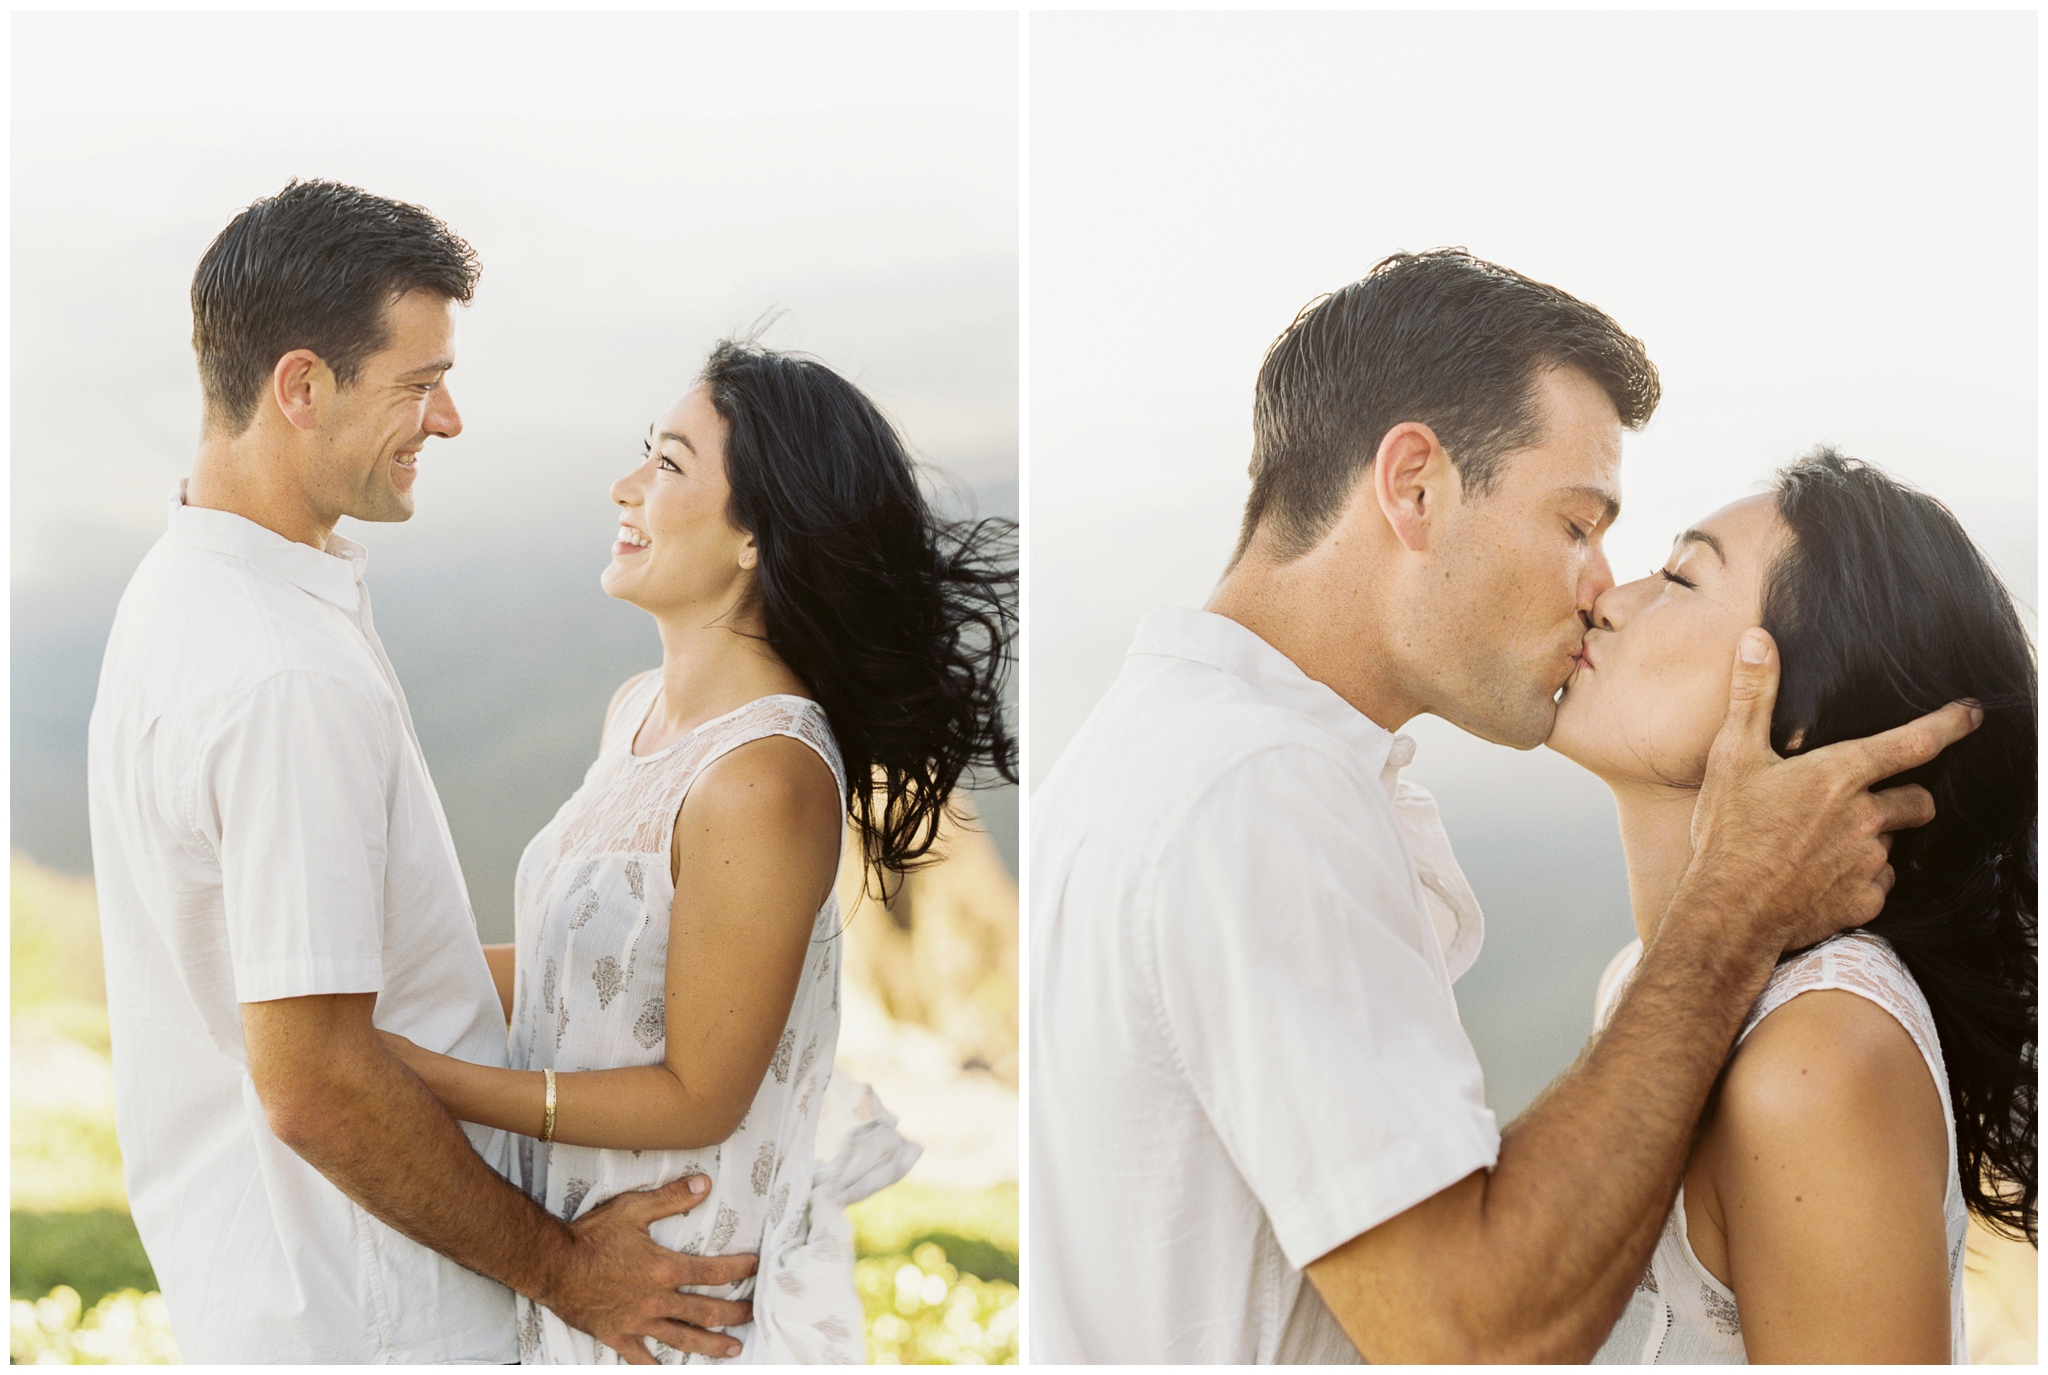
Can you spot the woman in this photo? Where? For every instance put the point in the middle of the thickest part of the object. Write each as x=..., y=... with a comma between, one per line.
x=673, y=988
x=1882, y=1086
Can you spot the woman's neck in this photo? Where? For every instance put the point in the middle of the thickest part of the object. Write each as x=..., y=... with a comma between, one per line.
x=708, y=668
x=1656, y=841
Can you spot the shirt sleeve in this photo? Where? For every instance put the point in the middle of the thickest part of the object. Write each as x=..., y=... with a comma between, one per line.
x=1314, y=1023
x=297, y=787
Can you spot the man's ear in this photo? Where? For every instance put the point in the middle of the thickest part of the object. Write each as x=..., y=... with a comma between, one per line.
x=298, y=384
x=1414, y=480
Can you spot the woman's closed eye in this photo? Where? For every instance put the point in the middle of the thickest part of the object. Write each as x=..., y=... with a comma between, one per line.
x=1670, y=576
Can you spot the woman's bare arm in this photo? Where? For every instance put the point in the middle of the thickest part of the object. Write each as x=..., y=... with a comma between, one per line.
x=1828, y=1158
x=504, y=974
x=756, y=850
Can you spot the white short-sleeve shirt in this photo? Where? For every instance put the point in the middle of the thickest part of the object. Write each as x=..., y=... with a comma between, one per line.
x=264, y=827
x=1244, y=1045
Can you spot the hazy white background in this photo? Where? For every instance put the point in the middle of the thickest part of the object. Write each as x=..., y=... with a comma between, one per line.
x=636, y=184
x=1823, y=226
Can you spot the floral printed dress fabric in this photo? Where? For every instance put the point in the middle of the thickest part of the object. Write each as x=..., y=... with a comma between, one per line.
x=592, y=904
x=1679, y=1313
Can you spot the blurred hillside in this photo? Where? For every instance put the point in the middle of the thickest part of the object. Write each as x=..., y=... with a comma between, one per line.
x=508, y=656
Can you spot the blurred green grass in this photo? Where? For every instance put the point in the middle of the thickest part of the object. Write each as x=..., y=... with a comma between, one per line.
x=977, y=1228
x=96, y=1251
x=937, y=1273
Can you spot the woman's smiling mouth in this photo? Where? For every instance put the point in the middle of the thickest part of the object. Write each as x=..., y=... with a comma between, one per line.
x=630, y=541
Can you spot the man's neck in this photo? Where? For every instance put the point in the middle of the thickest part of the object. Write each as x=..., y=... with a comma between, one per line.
x=1329, y=626
x=250, y=477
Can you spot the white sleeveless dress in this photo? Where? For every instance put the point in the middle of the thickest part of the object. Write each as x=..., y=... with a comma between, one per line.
x=591, y=911
x=1681, y=1315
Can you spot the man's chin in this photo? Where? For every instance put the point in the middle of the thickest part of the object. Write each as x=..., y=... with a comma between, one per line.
x=388, y=509
x=1522, y=726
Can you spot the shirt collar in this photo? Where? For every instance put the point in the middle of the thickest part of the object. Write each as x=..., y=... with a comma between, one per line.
x=1181, y=632
x=333, y=576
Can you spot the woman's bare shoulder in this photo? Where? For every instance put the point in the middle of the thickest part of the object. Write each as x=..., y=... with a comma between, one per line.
x=765, y=813
x=1826, y=1056
x=776, y=780
x=1833, y=1080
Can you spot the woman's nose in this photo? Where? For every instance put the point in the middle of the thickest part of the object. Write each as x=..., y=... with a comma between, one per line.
x=1607, y=611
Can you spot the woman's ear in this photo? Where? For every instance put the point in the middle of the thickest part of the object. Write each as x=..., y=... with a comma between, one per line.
x=750, y=553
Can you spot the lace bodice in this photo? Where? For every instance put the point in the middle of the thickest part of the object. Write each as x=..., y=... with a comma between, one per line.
x=1680, y=1314
x=592, y=911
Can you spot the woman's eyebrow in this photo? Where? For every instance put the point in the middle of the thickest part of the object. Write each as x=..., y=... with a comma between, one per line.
x=670, y=434
x=1702, y=537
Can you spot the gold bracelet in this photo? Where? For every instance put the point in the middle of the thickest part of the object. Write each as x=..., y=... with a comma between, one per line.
x=547, y=1129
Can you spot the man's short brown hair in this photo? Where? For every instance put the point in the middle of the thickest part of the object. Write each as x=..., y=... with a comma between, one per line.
x=1440, y=338
x=312, y=267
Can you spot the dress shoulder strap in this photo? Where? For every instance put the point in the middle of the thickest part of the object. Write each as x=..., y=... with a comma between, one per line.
x=797, y=717
x=630, y=713
x=1854, y=962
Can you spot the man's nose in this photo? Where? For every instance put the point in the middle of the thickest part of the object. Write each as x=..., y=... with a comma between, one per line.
x=1595, y=580
x=442, y=417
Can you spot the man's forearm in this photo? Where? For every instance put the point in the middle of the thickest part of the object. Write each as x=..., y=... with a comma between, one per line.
x=1587, y=1175
x=1533, y=1260
x=378, y=1134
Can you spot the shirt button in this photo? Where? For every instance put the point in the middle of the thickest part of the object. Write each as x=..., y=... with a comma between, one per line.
x=1402, y=754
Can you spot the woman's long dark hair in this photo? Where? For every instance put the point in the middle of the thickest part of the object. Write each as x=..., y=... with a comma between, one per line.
x=1883, y=611
x=899, y=622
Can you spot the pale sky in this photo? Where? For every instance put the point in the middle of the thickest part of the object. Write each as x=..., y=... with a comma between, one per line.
x=1822, y=226
x=637, y=185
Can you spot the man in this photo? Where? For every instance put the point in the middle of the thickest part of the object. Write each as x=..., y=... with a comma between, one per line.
x=276, y=877
x=1246, y=1063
